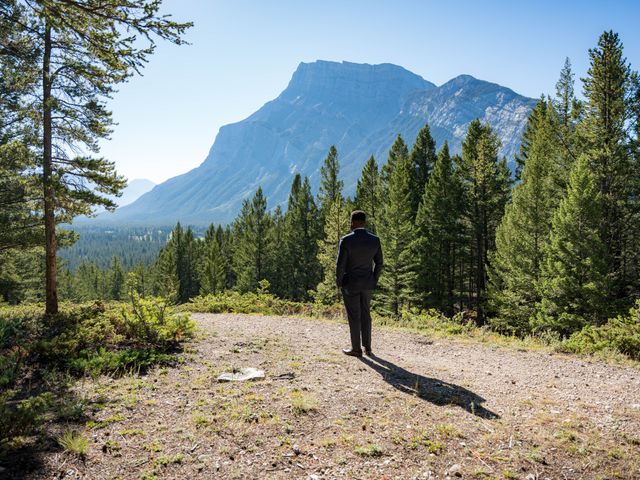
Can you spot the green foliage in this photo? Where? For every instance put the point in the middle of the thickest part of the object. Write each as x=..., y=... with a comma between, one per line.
x=302, y=232
x=251, y=251
x=74, y=442
x=485, y=185
x=437, y=245
x=260, y=302
x=573, y=281
x=213, y=274
x=423, y=160
x=336, y=225
x=397, y=234
x=621, y=334
x=368, y=193
x=21, y=417
x=335, y=218
x=90, y=338
x=523, y=234
x=398, y=150
x=330, y=184
x=606, y=134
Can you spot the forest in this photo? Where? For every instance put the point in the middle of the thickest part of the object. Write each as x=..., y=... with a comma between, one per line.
x=552, y=247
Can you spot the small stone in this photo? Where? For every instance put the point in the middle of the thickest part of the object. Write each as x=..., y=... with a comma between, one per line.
x=455, y=470
x=531, y=476
x=296, y=449
x=313, y=477
x=243, y=375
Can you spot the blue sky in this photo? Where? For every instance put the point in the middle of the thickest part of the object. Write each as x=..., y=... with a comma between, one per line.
x=243, y=52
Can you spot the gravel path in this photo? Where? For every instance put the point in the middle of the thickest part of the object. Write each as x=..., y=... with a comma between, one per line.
x=420, y=408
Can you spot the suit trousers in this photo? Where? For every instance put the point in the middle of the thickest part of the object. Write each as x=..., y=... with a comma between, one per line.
x=358, y=305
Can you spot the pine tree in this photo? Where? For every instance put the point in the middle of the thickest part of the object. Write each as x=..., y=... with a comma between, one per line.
x=605, y=134
x=565, y=96
x=423, y=159
x=485, y=184
x=336, y=225
x=302, y=232
x=213, y=275
x=523, y=234
x=368, y=193
x=330, y=184
x=278, y=267
x=333, y=218
x=396, y=235
x=81, y=52
x=437, y=236
x=115, y=280
x=251, y=230
x=573, y=282
x=398, y=150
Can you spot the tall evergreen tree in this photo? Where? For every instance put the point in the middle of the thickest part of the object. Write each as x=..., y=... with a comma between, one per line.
x=330, y=183
x=523, y=234
x=605, y=135
x=115, y=280
x=398, y=150
x=368, y=193
x=336, y=225
x=81, y=51
x=423, y=159
x=565, y=96
x=213, y=274
x=302, y=232
x=251, y=230
x=397, y=234
x=278, y=267
x=485, y=184
x=438, y=232
x=573, y=282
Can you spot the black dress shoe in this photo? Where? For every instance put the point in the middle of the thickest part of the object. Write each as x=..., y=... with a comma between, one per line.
x=352, y=353
x=368, y=352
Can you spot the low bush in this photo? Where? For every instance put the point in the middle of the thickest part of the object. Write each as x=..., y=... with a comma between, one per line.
x=620, y=334
x=430, y=320
x=92, y=338
x=260, y=302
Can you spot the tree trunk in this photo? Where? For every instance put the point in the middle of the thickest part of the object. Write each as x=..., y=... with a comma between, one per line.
x=47, y=182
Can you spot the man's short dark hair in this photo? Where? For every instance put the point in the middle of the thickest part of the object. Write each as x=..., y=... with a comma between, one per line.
x=358, y=216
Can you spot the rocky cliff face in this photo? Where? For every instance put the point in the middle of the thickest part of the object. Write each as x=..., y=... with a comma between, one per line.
x=359, y=108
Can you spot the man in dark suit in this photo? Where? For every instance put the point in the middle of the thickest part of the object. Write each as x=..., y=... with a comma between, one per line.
x=358, y=269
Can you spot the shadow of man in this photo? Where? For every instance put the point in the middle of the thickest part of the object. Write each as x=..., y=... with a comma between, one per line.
x=429, y=389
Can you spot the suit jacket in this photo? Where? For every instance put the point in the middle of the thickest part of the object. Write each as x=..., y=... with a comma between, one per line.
x=359, y=263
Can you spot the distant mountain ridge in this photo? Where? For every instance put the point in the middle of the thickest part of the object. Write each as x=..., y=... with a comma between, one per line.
x=360, y=108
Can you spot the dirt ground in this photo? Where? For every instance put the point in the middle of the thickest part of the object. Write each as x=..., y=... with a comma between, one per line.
x=419, y=408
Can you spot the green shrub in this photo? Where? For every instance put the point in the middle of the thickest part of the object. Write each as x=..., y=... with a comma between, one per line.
x=430, y=320
x=152, y=322
x=92, y=338
x=21, y=417
x=259, y=302
x=621, y=334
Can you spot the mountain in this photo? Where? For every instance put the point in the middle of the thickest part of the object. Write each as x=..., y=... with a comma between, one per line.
x=360, y=108
x=135, y=189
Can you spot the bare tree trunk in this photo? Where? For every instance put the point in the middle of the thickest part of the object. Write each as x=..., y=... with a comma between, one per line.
x=47, y=181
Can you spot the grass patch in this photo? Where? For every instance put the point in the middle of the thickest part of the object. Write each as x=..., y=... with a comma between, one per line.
x=302, y=403
x=370, y=450
x=75, y=443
